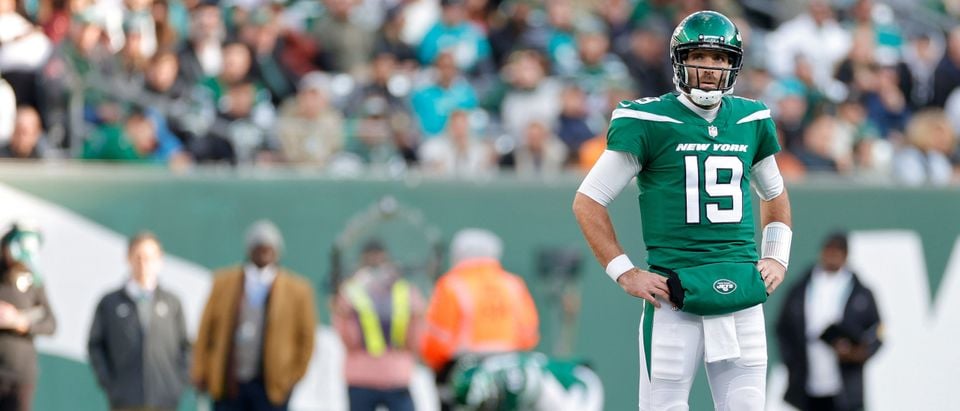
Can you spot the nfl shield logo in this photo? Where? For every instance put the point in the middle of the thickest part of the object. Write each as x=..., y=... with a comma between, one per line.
x=712, y=130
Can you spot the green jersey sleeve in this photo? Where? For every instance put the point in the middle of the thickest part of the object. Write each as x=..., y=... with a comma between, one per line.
x=767, y=142
x=626, y=133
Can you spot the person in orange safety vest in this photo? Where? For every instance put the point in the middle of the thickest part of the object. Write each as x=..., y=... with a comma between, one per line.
x=477, y=307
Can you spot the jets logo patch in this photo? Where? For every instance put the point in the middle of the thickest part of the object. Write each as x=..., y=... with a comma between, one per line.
x=724, y=286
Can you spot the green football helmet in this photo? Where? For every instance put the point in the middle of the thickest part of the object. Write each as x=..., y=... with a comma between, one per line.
x=705, y=30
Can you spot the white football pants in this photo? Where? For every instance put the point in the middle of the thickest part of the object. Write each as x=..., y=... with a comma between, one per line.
x=671, y=349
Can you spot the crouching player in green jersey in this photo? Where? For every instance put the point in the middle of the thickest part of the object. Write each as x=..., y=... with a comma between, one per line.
x=695, y=155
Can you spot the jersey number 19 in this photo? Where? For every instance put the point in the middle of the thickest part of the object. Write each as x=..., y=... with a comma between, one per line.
x=714, y=188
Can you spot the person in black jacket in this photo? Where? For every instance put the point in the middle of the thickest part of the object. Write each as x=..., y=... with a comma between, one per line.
x=24, y=313
x=828, y=328
x=138, y=343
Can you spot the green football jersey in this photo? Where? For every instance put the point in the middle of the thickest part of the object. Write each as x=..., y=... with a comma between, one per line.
x=694, y=178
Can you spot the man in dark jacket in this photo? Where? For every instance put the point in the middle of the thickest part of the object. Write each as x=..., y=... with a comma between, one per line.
x=828, y=328
x=138, y=342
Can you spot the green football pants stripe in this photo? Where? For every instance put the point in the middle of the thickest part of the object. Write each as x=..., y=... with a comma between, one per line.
x=647, y=334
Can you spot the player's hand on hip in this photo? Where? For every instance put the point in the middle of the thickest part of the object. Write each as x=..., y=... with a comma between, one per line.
x=645, y=285
x=772, y=273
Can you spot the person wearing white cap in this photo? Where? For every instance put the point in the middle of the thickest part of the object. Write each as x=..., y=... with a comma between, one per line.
x=477, y=307
x=257, y=331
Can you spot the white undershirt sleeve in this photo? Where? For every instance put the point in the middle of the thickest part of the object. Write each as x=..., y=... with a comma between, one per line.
x=766, y=179
x=612, y=172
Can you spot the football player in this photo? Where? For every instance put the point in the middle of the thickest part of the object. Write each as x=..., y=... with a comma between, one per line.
x=695, y=154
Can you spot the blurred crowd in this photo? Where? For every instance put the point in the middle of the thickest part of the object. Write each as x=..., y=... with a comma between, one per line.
x=461, y=88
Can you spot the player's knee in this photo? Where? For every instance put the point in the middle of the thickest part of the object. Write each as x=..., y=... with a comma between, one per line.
x=670, y=401
x=666, y=400
x=745, y=399
x=677, y=406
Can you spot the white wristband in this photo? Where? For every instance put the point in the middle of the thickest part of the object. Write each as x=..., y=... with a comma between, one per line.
x=619, y=265
x=775, y=242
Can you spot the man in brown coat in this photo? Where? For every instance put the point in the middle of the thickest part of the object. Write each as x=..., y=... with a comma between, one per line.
x=256, y=334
